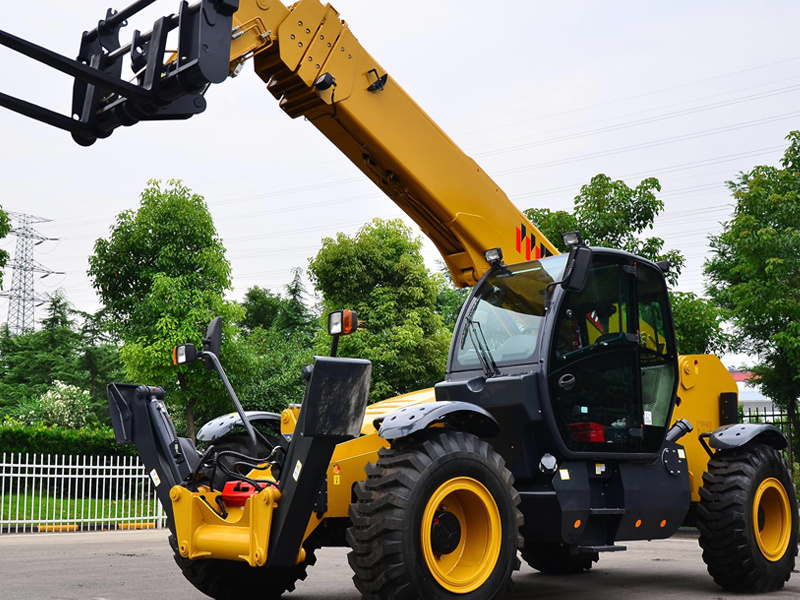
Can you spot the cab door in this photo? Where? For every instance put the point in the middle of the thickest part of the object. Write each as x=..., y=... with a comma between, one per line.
x=593, y=381
x=612, y=364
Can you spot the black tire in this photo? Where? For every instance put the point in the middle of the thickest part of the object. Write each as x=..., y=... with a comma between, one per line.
x=747, y=518
x=555, y=559
x=234, y=580
x=394, y=557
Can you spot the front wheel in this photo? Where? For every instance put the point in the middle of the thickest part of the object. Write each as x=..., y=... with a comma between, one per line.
x=747, y=519
x=436, y=519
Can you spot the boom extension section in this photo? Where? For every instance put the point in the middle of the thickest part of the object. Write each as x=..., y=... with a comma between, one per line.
x=316, y=68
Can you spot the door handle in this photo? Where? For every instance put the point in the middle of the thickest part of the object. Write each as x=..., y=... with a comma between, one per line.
x=567, y=382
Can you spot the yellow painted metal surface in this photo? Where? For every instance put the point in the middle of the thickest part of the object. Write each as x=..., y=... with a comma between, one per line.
x=470, y=564
x=380, y=409
x=203, y=533
x=772, y=519
x=384, y=133
x=702, y=379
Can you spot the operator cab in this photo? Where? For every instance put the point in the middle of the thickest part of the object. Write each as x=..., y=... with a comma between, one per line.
x=603, y=356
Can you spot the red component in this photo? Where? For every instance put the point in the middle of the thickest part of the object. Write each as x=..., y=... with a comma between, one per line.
x=588, y=432
x=236, y=493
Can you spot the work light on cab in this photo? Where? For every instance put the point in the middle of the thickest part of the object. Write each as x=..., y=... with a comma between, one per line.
x=342, y=322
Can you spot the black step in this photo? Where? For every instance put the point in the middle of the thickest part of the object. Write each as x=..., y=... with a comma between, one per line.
x=591, y=549
x=607, y=511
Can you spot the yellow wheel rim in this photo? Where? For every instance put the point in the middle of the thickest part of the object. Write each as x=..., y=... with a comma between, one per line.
x=469, y=565
x=772, y=519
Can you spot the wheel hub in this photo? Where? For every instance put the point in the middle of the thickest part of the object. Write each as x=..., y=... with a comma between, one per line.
x=445, y=532
x=460, y=535
x=772, y=519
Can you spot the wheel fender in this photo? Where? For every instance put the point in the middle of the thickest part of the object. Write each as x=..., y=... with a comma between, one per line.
x=461, y=415
x=736, y=435
x=224, y=424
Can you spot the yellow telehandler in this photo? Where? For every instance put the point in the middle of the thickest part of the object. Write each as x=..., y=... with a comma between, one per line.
x=567, y=421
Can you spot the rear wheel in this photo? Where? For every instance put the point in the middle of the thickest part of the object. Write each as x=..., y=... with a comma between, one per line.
x=436, y=519
x=555, y=559
x=747, y=519
x=234, y=580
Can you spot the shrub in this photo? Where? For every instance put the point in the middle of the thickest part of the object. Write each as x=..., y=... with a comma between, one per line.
x=62, y=405
x=16, y=437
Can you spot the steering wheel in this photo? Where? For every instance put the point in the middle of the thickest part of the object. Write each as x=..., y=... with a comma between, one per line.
x=607, y=337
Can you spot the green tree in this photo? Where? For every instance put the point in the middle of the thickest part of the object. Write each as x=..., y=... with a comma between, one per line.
x=162, y=275
x=280, y=345
x=261, y=307
x=31, y=362
x=612, y=214
x=5, y=228
x=61, y=350
x=449, y=298
x=379, y=272
x=754, y=271
x=277, y=371
x=99, y=360
x=293, y=315
x=698, y=324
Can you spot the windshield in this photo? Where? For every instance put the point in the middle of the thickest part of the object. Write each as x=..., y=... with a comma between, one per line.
x=503, y=321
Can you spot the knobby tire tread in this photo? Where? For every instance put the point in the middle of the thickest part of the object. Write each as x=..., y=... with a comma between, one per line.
x=730, y=550
x=379, y=514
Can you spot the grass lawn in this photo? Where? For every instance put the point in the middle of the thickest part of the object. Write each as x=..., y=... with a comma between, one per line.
x=41, y=510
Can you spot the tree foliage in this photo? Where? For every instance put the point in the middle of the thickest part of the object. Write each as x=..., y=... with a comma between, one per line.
x=449, y=298
x=279, y=345
x=698, y=324
x=379, y=272
x=261, y=307
x=162, y=275
x=62, y=350
x=612, y=214
x=5, y=228
x=276, y=379
x=754, y=271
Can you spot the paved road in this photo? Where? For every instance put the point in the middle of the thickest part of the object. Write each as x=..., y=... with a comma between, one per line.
x=138, y=566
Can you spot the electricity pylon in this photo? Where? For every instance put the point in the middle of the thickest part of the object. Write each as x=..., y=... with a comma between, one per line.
x=22, y=296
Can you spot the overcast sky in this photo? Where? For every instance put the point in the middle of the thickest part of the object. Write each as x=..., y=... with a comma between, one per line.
x=543, y=95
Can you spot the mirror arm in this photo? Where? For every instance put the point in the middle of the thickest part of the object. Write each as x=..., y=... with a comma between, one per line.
x=548, y=293
x=245, y=421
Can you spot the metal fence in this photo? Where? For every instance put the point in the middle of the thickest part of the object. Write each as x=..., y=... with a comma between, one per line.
x=76, y=493
x=775, y=416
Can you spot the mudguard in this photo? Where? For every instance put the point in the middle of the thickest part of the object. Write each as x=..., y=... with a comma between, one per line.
x=224, y=424
x=461, y=415
x=736, y=435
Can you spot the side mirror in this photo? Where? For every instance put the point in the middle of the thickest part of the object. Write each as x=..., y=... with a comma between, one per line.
x=212, y=342
x=184, y=354
x=342, y=322
x=577, y=271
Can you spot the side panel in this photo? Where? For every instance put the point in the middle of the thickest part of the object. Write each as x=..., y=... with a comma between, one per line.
x=705, y=395
x=592, y=505
x=513, y=401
